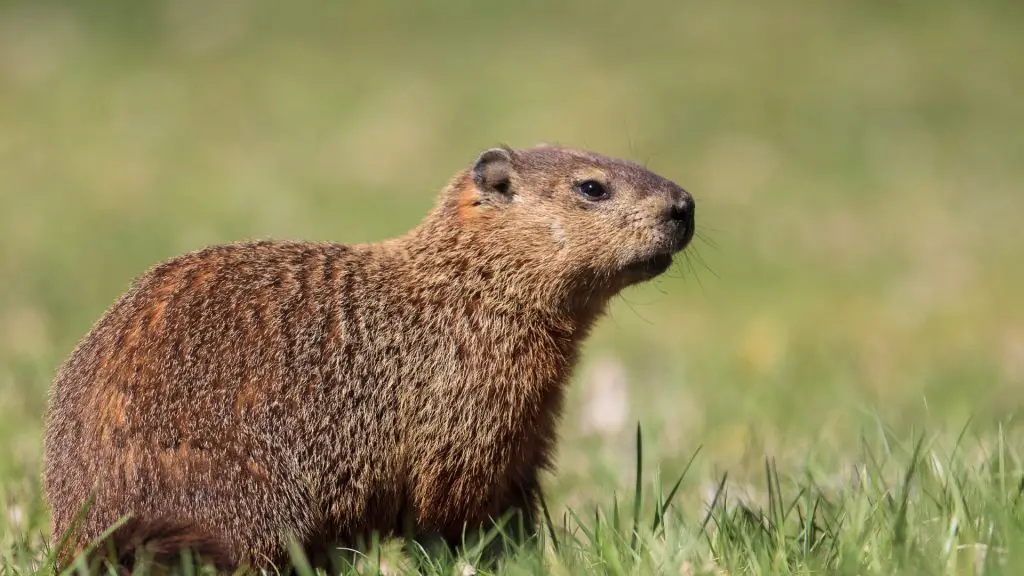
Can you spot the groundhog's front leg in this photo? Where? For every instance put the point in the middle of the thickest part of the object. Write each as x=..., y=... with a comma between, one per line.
x=516, y=516
x=522, y=510
x=520, y=523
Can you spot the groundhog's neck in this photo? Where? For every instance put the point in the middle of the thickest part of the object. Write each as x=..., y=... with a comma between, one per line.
x=460, y=254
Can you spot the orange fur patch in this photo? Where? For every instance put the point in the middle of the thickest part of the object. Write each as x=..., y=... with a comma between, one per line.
x=112, y=410
x=247, y=398
x=257, y=470
x=157, y=313
x=467, y=202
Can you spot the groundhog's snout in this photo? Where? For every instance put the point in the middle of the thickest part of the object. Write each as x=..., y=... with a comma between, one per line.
x=681, y=214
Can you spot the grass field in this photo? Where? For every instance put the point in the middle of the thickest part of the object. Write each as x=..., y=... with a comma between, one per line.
x=843, y=350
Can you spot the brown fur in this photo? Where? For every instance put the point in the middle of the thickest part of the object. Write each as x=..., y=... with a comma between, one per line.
x=242, y=394
x=159, y=545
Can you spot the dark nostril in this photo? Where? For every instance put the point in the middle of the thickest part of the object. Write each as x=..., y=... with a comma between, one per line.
x=681, y=210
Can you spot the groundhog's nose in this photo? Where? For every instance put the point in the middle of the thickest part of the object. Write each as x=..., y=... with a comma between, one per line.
x=681, y=212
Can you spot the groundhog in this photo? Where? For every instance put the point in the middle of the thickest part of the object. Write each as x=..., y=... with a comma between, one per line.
x=244, y=396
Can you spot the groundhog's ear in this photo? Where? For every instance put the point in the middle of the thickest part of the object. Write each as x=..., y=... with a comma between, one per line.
x=492, y=172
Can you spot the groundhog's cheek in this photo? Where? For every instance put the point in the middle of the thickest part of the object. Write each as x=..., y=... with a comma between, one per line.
x=557, y=233
x=610, y=262
x=653, y=238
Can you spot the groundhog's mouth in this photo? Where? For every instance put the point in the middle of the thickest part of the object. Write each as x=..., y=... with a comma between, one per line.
x=653, y=266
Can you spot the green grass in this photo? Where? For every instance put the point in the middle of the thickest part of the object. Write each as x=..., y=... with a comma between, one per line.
x=857, y=285
x=933, y=505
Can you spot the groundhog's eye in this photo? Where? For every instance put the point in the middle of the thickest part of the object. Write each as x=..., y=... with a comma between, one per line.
x=592, y=189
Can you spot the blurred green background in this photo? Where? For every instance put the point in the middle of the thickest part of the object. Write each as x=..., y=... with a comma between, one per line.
x=858, y=170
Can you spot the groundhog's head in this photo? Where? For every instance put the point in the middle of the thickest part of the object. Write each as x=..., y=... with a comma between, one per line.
x=583, y=219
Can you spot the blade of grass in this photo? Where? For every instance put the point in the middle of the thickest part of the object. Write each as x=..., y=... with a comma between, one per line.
x=637, y=502
x=660, y=514
x=547, y=519
x=900, y=528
